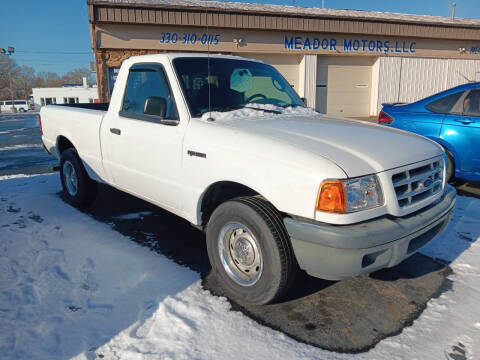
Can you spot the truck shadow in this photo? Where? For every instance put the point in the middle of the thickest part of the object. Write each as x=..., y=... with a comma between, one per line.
x=351, y=315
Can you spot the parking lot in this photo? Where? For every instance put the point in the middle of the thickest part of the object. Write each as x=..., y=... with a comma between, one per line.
x=347, y=316
x=20, y=146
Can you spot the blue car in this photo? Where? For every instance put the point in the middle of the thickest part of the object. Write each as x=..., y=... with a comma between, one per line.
x=452, y=119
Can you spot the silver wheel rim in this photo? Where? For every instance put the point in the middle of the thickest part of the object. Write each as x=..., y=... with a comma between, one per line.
x=240, y=254
x=70, y=178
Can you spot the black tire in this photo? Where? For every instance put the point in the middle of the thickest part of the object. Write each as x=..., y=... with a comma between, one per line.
x=279, y=267
x=86, y=187
x=22, y=110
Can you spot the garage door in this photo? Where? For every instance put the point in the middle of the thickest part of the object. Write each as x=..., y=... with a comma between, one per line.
x=349, y=90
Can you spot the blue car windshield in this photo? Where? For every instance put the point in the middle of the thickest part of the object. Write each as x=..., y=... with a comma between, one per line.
x=219, y=84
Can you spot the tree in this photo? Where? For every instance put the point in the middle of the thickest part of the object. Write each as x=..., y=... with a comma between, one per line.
x=50, y=79
x=8, y=68
x=76, y=76
x=24, y=78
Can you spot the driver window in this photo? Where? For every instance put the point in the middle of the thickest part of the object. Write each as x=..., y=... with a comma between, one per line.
x=142, y=84
x=471, y=104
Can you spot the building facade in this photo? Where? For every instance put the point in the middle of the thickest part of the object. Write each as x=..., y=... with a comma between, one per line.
x=344, y=62
x=67, y=94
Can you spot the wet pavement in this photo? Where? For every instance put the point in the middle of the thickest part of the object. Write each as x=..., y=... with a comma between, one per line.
x=20, y=146
x=346, y=316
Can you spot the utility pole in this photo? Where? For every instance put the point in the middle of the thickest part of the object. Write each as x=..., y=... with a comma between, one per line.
x=10, y=50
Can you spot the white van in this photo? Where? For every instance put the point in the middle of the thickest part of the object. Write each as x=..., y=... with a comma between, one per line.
x=20, y=105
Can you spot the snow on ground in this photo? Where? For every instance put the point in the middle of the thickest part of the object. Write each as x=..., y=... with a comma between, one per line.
x=72, y=287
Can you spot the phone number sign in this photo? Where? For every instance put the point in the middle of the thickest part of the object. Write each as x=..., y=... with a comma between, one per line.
x=189, y=38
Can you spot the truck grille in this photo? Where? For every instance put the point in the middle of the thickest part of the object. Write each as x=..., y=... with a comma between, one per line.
x=417, y=184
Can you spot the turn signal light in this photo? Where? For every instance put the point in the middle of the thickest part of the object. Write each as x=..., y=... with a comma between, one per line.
x=331, y=197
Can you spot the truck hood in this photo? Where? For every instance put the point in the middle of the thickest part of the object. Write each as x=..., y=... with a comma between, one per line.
x=357, y=147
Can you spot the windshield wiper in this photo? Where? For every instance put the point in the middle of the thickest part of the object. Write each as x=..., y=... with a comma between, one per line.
x=265, y=110
x=290, y=105
x=231, y=108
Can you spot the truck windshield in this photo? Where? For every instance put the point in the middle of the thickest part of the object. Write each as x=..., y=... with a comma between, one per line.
x=232, y=84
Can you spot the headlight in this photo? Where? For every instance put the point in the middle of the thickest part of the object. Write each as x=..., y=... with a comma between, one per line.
x=346, y=196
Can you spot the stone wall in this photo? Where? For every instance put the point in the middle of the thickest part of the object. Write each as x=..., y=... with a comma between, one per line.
x=106, y=58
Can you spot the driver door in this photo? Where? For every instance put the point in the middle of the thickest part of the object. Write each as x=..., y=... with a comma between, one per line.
x=143, y=152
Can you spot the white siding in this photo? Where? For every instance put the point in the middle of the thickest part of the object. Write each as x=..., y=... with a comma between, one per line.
x=461, y=71
x=375, y=81
x=310, y=82
x=421, y=77
x=411, y=79
x=83, y=94
x=389, y=79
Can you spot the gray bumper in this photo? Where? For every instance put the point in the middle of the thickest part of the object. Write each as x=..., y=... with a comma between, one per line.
x=335, y=252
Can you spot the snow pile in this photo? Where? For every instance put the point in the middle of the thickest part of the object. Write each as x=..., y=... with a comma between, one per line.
x=254, y=110
x=71, y=287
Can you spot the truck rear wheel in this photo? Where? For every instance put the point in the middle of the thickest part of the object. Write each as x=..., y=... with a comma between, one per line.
x=77, y=187
x=250, y=251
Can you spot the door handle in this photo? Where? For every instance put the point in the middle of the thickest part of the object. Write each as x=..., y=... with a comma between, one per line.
x=464, y=120
x=115, y=131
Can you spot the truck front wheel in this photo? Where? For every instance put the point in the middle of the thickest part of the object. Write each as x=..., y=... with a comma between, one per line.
x=77, y=187
x=250, y=251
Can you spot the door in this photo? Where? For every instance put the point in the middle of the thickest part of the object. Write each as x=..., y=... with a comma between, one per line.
x=462, y=130
x=143, y=151
x=349, y=90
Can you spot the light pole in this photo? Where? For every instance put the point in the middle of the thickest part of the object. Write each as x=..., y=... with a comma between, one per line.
x=10, y=50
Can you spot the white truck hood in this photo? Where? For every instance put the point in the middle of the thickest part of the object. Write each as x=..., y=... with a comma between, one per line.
x=358, y=147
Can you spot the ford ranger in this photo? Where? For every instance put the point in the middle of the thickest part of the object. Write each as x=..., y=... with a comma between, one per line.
x=226, y=143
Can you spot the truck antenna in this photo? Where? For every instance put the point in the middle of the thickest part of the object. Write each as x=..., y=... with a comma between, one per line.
x=208, y=59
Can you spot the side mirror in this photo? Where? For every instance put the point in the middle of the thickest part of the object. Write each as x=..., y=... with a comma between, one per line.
x=155, y=105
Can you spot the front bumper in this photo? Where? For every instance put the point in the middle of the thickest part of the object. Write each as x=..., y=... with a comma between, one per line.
x=336, y=252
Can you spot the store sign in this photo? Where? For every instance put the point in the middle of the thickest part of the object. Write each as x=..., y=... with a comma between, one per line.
x=348, y=45
x=189, y=38
x=475, y=50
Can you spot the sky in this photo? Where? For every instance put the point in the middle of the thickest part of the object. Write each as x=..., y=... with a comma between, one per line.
x=53, y=35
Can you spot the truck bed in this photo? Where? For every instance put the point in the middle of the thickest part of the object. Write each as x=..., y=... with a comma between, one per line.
x=80, y=124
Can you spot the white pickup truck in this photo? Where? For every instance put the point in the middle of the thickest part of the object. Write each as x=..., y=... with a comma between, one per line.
x=225, y=143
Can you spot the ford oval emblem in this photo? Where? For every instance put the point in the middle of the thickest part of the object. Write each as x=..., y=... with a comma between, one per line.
x=427, y=182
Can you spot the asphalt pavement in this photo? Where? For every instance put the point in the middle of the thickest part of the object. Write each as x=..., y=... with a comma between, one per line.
x=21, y=146
x=346, y=316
